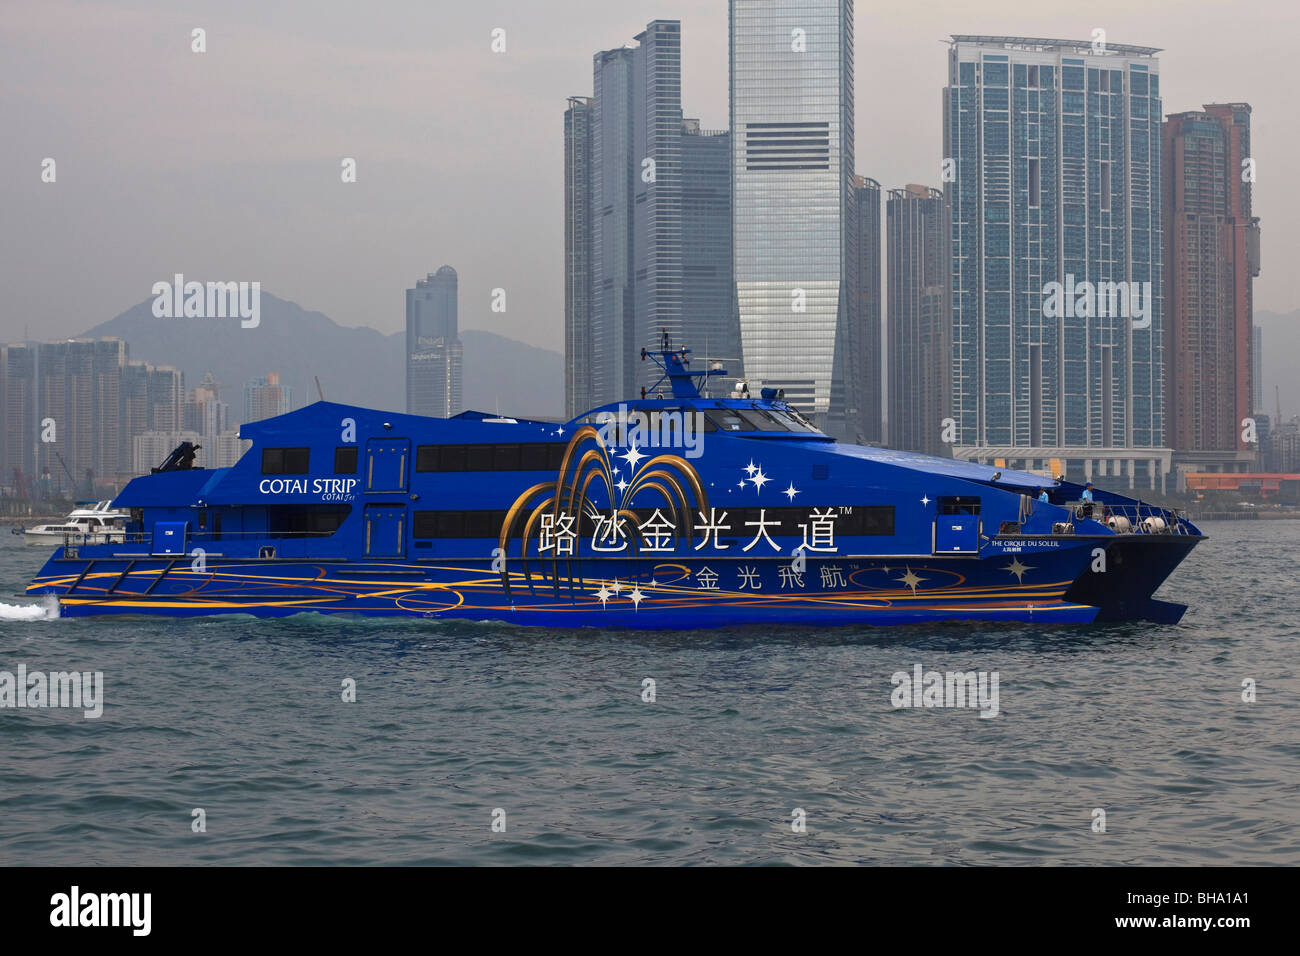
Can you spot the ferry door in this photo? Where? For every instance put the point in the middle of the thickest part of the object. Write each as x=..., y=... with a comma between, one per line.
x=386, y=464
x=385, y=530
x=957, y=526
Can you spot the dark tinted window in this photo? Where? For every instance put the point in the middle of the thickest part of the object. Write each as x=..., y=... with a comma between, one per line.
x=345, y=460
x=458, y=524
x=306, y=520
x=762, y=421
x=286, y=461
x=505, y=458
x=533, y=456
x=479, y=457
x=426, y=458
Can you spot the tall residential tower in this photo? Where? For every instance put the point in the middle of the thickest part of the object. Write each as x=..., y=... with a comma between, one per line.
x=1052, y=149
x=918, y=318
x=1211, y=259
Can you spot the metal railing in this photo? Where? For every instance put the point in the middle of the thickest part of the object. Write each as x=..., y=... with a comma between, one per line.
x=1138, y=518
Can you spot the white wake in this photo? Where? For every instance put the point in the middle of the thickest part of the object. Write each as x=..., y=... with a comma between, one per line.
x=47, y=610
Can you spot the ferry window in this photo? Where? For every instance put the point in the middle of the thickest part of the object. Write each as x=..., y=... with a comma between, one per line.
x=285, y=461
x=959, y=505
x=480, y=524
x=728, y=421
x=535, y=457
x=791, y=422
x=531, y=456
x=871, y=520
x=458, y=524
x=306, y=520
x=450, y=524
x=345, y=460
x=761, y=420
x=506, y=458
x=425, y=524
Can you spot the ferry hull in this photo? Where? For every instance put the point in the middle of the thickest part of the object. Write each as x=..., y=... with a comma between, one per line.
x=672, y=593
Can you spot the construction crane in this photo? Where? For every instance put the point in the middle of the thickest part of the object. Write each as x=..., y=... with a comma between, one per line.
x=72, y=482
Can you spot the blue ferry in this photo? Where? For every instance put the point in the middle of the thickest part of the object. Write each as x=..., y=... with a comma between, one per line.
x=674, y=511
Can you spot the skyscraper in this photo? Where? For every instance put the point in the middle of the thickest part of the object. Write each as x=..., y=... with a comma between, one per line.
x=578, y=396
x=18, y=415
x=1211, y=258
x=434, y=355
x=266, y=398
x=710, y=324
x=792, y=193
x=1256, y=370
x=1053, y=152
x=862, y=364
x=919, y=318
x=656, y=111
x=647, y=223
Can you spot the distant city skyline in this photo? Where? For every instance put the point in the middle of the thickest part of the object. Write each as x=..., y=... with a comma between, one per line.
x=213, y=164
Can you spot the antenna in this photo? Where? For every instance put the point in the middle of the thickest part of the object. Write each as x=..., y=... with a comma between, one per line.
x=319, y=391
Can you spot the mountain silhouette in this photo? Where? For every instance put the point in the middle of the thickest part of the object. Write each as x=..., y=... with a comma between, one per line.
x=356, y=366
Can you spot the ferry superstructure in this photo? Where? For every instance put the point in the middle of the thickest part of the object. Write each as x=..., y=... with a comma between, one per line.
x=675, y=511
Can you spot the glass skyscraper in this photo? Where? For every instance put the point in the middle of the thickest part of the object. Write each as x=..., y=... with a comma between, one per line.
x=919, y=318
x=792, y=194
x=1052, y=172
x=578, y=396
x=861, y=342
x=434, y=355
x=648, y=224
x=708, y=288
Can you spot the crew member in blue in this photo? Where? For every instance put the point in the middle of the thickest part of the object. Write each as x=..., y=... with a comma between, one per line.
x=1087, y=499
x=1042, y=495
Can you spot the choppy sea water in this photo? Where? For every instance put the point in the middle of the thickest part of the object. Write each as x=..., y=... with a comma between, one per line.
x=452, y=721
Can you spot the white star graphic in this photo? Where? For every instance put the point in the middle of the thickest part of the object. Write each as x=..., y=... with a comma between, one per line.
x=791, y=491
x=621, y=485
x=760, y=480
x=742, y=483
x=925, y=501
x=616, y=586
x=637, y=597
x=751, y=468
x=633, y=456
x=604, y=594
x=559, y=431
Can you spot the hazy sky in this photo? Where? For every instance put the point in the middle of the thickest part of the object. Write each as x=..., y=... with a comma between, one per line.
x=226, y=165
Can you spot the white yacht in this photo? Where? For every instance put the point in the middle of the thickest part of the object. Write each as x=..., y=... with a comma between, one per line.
x=98, y=524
